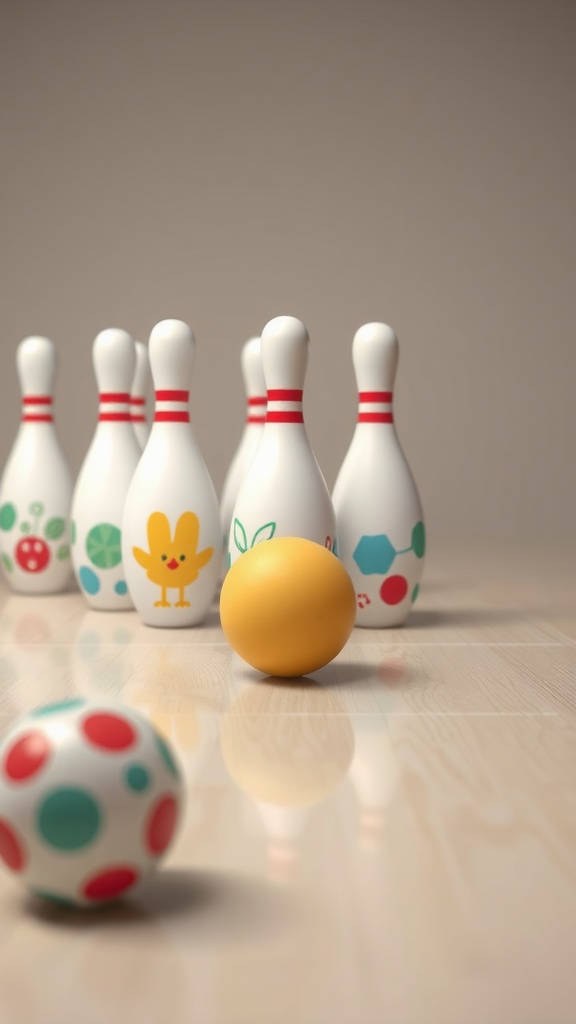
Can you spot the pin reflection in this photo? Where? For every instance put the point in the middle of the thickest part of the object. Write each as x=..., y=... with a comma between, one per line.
x=287, y=747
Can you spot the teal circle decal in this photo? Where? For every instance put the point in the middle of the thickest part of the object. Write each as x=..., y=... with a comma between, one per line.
x=89, y=580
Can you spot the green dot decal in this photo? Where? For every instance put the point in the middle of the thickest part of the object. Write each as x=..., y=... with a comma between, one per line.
x=54, y=528
x=7, y=516
x=7, y=563
x=415, y=592
x=166, y=755
x=72, y=532
x=419, y=540
x=68, y=819
x=60, y=705
x=137, y=778
x=103, y=546
x=63, y=552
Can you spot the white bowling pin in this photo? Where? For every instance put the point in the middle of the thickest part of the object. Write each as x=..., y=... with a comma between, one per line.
x=255, y=387
x=171, y=535
x=283, y=493
x=36, y=486
x=381, y=538
x=138, y=394
x=106, y=473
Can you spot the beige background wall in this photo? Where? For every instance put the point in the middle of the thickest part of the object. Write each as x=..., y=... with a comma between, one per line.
x=228, y=161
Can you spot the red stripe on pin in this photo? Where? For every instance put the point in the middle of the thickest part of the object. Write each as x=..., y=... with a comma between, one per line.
x=137, y=419
x=172, y=396
x=284, y=416
x=37, y=400
x=114, y=396
x=171, y=416
x=29, y=417
x=375, y=396
x=255, y=419
x=257, y=400
x=114, y=417
x=137, y=401
x=375, y=417
x=284, y=395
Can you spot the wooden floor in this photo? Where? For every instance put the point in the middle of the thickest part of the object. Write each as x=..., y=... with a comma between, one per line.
x=392, y=841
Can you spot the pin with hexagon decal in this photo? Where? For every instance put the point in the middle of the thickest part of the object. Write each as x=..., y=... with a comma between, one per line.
x=378, y=511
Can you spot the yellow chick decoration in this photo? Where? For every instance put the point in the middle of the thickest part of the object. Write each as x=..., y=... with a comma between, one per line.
x=173, y=564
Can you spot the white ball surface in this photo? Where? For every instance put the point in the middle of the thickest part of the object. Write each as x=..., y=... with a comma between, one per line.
x=90, y=799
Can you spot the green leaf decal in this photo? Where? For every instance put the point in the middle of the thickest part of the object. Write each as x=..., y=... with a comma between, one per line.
x=7, y=516
x=54, y=528
x=63, y=552
x=240, y=538
x=7, y=563
x=104, y=546
x=72, y=532
x=36, y=508
x=419, y=540
x=25, y=527
x=265, y=532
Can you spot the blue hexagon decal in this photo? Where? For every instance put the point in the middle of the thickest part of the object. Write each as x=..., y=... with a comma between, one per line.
x=374, y=555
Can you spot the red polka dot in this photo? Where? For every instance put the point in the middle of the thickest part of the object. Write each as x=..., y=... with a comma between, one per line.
x=26, y=756
x=394, y=589
x=11, y=847
x=161, y=825
x=109, y=732
x=109, y=883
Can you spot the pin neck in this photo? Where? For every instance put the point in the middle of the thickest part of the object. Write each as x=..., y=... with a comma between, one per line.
x=375, y=407
x=284, y=405
x=172, y=406
x=113, y=407
x=137, y=409
x=37, y=409
x=256, y=409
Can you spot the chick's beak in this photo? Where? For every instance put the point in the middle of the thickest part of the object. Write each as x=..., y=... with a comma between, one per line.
x=172, y=564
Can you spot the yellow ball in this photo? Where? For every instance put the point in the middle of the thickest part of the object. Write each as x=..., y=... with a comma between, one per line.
x=287, y=606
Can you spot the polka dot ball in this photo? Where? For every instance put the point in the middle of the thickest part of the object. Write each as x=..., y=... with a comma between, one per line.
x=90, y=800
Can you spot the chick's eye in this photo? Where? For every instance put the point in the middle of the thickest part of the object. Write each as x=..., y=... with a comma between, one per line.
x=163, y=557
x=182, y=558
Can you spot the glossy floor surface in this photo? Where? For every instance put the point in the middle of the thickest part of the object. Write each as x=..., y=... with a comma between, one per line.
x=392, y=840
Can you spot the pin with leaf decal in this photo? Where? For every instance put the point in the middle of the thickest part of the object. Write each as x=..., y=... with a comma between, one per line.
x=283, y=493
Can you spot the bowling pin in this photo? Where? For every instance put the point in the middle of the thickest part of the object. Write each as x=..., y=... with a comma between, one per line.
x=283, y=493
x=171, y=538
x=381, y=538
x=36, y=486
x=138, y=394
x=255, y=388
x=106, y=473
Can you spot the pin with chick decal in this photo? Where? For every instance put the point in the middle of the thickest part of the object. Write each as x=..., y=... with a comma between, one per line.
x=171, y=524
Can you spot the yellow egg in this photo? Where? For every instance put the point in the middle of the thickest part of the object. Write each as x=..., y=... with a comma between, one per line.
x=287, y=606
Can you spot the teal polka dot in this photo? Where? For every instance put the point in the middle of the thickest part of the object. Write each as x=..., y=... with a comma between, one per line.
x=68, y=819
x=120, y=588
x=415, y=592
x=137, y=777
x=61, y=705
x=89, y=580
x=166, y=755
x=53, y=898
